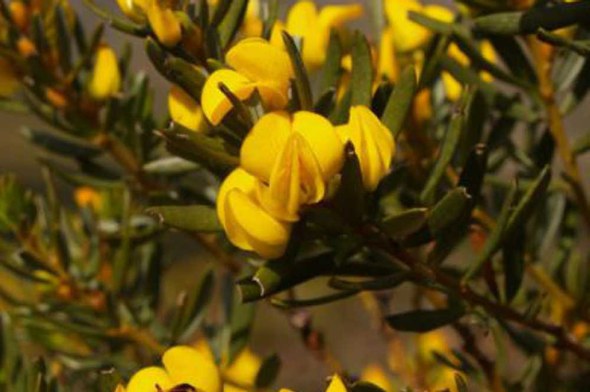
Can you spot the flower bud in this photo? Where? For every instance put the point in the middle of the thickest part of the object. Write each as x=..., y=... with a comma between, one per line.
x=106, y=76
x=247, y=224
x=185, y=111
x=270, y=77
x=164, y=23
x=373, y=143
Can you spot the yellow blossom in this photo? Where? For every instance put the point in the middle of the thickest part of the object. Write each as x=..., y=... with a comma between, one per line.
x=270, y=77
x=133, y=9
x=252, y=26
x=182, y=365
x=301, y=153
x=164, y=23
x=407, y=34
x=247, y=224
x=453, y=88
x=106, y=76
x=86, y=196
x=375, y=374
x=373, y=143
x=8, y=79
x=242, y=371
x=19, y=13
x=185, y=111
x=305, y=21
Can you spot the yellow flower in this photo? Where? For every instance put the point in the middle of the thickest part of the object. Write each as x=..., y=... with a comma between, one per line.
x=427, y=343
x=373, y=143
x=407, y=34
x=257, y=65
x=185, y=111
x=182, y=365
x=314, y=27
x=8, y=80
x=164, y=23
x=106, y=76
x=247, y=224
x=375, y=374
x=453, y=88
x=134, y=9
x=296, y=156
x=242, y=371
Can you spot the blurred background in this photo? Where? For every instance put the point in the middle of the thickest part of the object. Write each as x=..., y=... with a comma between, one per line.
x=349, y=331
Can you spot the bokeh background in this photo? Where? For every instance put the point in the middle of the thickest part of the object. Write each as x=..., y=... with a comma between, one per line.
x=350, y=333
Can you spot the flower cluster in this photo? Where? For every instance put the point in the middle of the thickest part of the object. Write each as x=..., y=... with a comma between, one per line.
x=287, y=160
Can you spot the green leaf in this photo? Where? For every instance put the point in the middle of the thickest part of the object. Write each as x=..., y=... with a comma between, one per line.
x=301, y=79
x=60, y=145
x=530, y=200
x=405, y=222
x=529, y=22
x=185, y=75
x=496, y=237
x=432, y=24
x=332, y=70
x=448, y=210
x=199, y=218
x=512, y=54
x=583, y=49
x=513, y=261
x=361, y=81
x=232, y=21
x=193, y=305
x=384, y=283
x=400, y=101
x=449, y=145
x=269, y=370
x=349, y=201
x=317, y=301
x=63, y=39
x=425, y=320
x=170, y=166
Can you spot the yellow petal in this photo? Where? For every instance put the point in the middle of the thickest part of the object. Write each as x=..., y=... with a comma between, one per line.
x=8, y=80
x=407, y=34
x=453, y=88
x=164, y=23
x=373, y=144
x=185, y=365
x=259, y=61
x=388, y=66
x=106, y=77
x=244, y=368
x=252, y=26
x=248, y=225
x=214, y=103
x=185, y=110
x=133, y=9
x=246, y=219
x=269, y=135
x=375, y=374
x=323, y=140
x=336, y=15
x=296, y=179
x=276, y=37
x=336, y=385
x=302, y=18
x=148, y=378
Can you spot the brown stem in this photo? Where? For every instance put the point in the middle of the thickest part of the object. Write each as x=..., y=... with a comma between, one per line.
x=425, y=272
x=544, y=55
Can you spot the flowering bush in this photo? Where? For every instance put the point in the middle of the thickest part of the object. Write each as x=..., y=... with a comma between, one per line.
x=423, y=167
